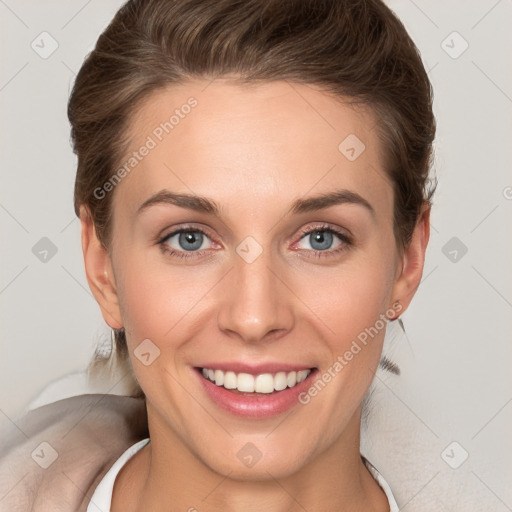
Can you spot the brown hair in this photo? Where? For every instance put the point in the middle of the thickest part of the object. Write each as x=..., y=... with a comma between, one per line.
x=356, y=49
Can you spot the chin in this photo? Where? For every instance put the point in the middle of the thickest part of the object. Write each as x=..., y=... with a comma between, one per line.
x=259, y=460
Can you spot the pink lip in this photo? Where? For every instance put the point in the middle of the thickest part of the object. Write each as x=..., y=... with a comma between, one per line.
x=255, y=405
x=255, y=369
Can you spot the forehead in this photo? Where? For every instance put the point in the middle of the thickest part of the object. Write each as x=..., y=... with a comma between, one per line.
x=272, y=141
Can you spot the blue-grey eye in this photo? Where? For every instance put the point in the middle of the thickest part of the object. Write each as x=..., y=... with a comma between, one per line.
x=186, y=240
x=191, y=240
x=321, y=240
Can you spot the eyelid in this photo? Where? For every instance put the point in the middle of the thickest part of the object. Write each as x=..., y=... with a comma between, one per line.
x=185, y=227
x=343, y=233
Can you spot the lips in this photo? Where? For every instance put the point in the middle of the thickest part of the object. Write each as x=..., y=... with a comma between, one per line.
x=255, y=392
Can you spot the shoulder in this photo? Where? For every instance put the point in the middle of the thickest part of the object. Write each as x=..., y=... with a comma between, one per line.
x=52, y=457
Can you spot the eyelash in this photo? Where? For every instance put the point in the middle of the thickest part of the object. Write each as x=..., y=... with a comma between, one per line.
x=345, y=239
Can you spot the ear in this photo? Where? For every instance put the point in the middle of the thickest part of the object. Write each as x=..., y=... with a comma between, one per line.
x=98, y=269
x=410, y=270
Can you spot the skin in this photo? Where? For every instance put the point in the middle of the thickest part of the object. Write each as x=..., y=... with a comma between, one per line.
x=253, y=150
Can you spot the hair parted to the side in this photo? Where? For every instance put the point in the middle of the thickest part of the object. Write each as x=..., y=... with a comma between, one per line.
x=353, y=49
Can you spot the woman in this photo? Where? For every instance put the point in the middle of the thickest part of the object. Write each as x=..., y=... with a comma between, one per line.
x=252, y=188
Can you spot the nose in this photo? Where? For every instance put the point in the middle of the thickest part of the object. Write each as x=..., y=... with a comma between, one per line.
x=257, y=304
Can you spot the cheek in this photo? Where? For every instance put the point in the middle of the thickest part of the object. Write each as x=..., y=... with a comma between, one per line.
x=354, y=297
x=156, y=299
x=352, y=303
x=352, y=308
x=157, y=305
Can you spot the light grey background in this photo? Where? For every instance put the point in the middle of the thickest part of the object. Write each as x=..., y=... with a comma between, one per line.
x=459, y=325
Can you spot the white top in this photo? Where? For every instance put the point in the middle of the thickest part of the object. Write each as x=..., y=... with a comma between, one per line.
x=102, y=497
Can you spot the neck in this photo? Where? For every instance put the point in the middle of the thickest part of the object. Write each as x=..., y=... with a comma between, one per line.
x=165, y=475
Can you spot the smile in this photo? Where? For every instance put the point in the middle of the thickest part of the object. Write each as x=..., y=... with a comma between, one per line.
x=247, y=383
x=254, y=391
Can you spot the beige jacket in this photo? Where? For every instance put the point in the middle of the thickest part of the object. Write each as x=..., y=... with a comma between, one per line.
x=52, y=458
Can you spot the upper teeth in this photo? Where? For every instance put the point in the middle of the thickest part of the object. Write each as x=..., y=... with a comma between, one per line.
x=264, y=383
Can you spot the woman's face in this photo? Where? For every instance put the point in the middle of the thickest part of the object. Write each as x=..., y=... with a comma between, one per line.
x=264, y=279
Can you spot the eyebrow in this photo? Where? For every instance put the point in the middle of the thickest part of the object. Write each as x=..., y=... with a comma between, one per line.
x=309, y=204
